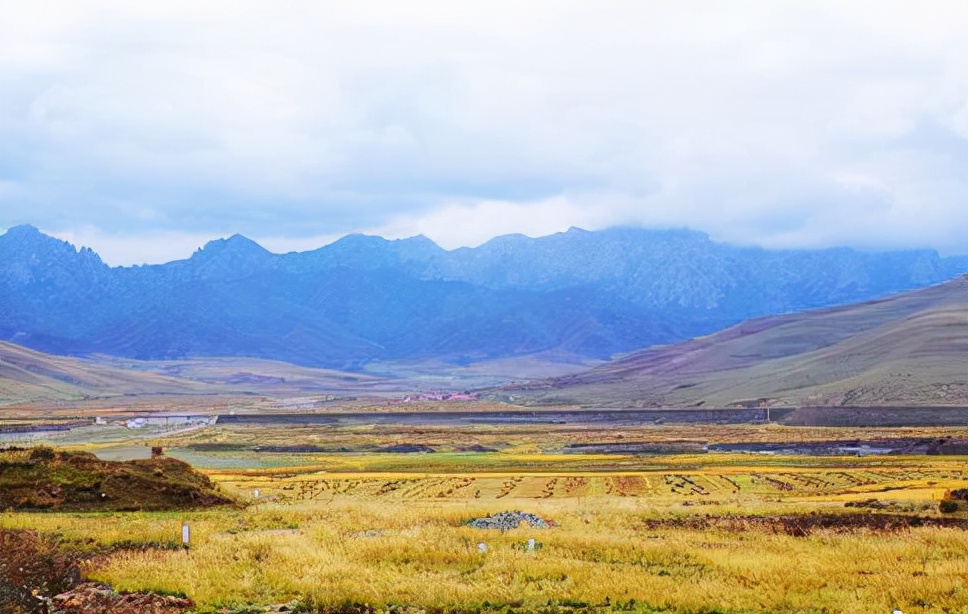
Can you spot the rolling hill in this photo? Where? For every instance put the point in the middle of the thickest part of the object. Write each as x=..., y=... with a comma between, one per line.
x=908, y=349
x=30, y=376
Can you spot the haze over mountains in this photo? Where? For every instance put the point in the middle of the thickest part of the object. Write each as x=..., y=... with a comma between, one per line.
x=571, y=296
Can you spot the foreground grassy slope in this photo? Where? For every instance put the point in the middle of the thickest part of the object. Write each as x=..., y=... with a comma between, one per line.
x=904, y=350
x=725, y=544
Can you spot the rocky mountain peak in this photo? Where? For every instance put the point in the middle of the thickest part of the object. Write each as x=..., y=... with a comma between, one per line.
x=235, y=245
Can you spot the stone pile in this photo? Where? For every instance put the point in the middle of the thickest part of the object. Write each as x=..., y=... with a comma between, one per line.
x=505, y=521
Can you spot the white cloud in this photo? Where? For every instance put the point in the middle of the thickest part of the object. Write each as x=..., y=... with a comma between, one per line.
x=471, y=224
x=758, y=122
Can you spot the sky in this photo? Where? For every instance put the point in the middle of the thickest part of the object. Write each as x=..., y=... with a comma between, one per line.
x=145, y=129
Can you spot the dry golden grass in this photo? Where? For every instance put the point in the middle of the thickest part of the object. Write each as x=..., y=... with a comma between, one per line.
x=386, y=530
x=363, y=543
x=382, y=552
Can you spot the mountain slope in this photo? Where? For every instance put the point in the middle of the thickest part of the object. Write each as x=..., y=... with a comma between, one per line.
x=28, y=375
x=586, y=295
x=907, y=349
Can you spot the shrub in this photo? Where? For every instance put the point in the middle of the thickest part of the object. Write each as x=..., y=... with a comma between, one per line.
x=42, y=454
x=948, y=507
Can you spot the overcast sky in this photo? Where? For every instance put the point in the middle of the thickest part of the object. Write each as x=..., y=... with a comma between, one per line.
x=145, y=129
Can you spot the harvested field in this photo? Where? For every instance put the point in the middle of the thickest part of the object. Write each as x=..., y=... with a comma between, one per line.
x=716, y=483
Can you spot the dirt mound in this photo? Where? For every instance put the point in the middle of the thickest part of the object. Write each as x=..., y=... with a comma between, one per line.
x=505, y=521
x=41, y=575
x=802, y=525
x=42, y=479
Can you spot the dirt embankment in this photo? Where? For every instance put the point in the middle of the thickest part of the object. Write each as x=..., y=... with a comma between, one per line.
x=40, y=575
x=44, y=479
x=32, y=570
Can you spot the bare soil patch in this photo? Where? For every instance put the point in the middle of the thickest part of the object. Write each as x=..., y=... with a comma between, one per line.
x=32, y=570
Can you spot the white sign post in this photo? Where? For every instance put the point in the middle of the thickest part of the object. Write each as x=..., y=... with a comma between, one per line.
x=186, y=534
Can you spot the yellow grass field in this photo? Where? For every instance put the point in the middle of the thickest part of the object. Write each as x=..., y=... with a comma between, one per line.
x=732, y=533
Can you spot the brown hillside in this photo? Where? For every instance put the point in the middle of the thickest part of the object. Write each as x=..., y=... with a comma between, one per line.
x=30, y=376
x=910, y=349
x=27, y=375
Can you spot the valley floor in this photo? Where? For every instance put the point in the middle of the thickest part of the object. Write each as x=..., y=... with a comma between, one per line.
x=359, y=518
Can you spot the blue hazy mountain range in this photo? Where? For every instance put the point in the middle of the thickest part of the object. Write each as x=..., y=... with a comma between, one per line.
x=363, y=298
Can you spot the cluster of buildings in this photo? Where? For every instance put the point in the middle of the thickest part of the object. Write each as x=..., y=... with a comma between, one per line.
x=440, y=396
x=158, y=420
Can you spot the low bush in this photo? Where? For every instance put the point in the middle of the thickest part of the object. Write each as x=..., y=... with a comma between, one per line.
x=948, y=507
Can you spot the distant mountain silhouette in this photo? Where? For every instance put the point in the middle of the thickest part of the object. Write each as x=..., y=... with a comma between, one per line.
x=363, y=298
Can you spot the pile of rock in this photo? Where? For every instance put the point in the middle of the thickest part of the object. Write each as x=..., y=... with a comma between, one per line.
x=505, y=521
x=94, y=598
